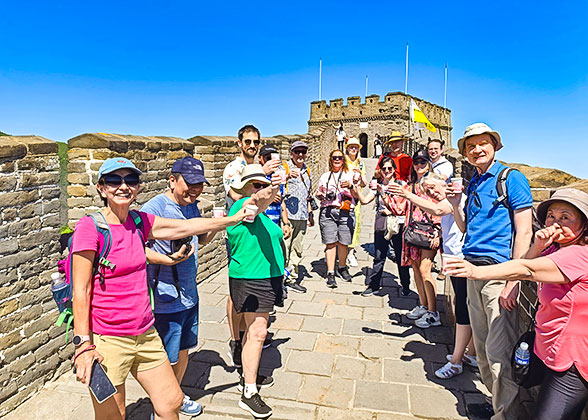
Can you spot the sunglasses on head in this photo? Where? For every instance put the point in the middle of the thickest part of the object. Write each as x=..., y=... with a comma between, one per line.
x=299, y=151
x=114, y=180
x=337, y=157
x=248, y=142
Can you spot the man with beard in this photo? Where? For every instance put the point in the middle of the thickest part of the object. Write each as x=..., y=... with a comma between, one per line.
x=248, y=141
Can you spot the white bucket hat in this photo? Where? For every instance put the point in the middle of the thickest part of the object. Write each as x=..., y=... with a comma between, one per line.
x=477, y=129
x=253, y=172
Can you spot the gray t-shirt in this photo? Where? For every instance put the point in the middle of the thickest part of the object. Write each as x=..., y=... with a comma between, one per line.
x=296, y=192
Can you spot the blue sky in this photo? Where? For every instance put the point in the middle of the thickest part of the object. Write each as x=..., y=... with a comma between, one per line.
x=189, y=68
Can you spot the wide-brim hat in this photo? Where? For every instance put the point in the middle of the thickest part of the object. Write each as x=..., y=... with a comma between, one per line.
x=477, y=129
x=577, y=198
x=353, y=142
x=394, y=136
x=250, y=173
x=116, y=163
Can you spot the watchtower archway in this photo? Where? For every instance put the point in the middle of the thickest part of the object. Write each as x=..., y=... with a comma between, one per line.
x=363, y=140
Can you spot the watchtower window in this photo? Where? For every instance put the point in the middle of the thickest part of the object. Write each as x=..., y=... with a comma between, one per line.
x=352, y=103
x=326, y=115
x=360, y=112
x=318, y=106
x=343, y=114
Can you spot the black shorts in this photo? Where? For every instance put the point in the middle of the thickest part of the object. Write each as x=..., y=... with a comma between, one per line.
x=256, y=295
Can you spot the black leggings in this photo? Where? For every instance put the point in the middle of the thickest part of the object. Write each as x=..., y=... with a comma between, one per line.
x=563, y=395
x=462, y=316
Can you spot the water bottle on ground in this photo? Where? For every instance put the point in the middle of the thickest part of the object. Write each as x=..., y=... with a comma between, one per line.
x=522, y=355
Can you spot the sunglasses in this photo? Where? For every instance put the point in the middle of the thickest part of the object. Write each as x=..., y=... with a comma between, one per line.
x=248, y=142
x=114, y=180
x=258, y=185
x=299, y=151
x=387, y=169
x=337, y=157
x=419, y=162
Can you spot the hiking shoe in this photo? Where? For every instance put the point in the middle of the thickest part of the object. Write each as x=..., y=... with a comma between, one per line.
x=417, y=312
x=331, y=281
x=449, y=370
x=343, y=272
x=430, y=319
x=189, y=407
x=261, y=381
x=255, y=406
x=234, y=353
x=368, y=292
x=295, y=287
x=351, y=260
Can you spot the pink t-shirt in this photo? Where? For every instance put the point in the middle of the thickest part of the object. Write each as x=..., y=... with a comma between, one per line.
x=121, y=305
x=562, y=317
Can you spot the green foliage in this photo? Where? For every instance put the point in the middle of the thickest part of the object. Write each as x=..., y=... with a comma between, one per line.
x=62, y=153
x=3, y=134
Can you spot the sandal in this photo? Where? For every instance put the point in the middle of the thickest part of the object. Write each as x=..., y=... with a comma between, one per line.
x=471, y=361
x=449, y=370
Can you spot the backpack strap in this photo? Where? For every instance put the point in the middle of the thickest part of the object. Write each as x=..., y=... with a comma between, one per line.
x=501, y=188
x=101, y=260
x=138, y=224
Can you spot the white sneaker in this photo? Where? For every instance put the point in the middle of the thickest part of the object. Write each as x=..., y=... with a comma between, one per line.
x=351, y=260
x=471, y=361
x=430, y=319
x=448, y=371
x=417, y=312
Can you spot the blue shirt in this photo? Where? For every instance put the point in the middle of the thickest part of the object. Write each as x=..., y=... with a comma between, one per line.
x=164, y=297
x=489, y=227
x=274, y=210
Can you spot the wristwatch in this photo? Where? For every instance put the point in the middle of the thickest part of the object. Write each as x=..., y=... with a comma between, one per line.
x=78, y=340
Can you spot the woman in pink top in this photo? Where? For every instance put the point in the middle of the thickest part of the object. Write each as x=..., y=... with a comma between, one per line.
x=112, y=311
x=558, y=260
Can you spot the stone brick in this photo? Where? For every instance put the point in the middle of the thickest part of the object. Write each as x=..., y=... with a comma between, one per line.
x=7, y=167
x=7, y=290
x=310, y=362
x=18, y=366
x=19, y=198
x=8, y=183
x=73, y=167
x=34, y=180
x=32, y=297
x=10, y=339
x=25, y=346
x=9, y=214
x=19, y=258
x=78, y=154
x=51, y=220
x=11, y=149
x=390, y=396
x=77, y=190
x=8, y=307
x=325, y=391
x=50, y=193
x=78, y=178
x=337, y=345
x=102, y=154
x=8, y=276
x=8, y=246
x=46, y=350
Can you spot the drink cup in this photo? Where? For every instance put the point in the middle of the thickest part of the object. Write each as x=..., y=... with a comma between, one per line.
x=218, y=212
x=251, y=212
x=447, y=258
x=275, y=156
x=373, y=185
x=283, y=175
x=457, y=184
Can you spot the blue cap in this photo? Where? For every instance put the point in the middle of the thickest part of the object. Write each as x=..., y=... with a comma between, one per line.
x=191, y=170
x=114, y=164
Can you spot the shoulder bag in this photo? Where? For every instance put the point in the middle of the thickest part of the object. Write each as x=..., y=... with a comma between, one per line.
x=419, y=234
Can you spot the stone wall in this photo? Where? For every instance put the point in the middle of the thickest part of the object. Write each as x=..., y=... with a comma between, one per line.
x=32, y=349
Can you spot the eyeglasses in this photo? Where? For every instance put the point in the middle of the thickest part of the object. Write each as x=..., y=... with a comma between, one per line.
x=299, y=151
x=114, y=180
x=337, y=157
x=257, y=185
x=249, y=141
x=387, y=169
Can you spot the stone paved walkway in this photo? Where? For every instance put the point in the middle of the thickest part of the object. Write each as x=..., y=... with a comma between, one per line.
x=335, y=355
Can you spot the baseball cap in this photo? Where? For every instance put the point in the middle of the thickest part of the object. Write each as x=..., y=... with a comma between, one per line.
x=297, y=144
x=191, y=170
x=116, y=163
x=266, y=149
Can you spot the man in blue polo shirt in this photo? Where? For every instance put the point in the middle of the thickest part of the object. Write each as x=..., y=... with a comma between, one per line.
x=174, y=281
x=495, y=232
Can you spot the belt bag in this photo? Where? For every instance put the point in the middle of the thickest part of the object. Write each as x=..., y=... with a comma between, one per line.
x=345, y=205
x=419, y=234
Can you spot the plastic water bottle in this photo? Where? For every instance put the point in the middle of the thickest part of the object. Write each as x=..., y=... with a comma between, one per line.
x=522, y=354
x=59, y=288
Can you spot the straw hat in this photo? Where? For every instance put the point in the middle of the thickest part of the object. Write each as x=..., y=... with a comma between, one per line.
x=253, y=172
x=577, y=198
x=477, y=129
x=353, y=141
x=396, y=135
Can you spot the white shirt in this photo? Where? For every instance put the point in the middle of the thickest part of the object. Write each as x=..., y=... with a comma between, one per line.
x=443, y=167
x=452, y=237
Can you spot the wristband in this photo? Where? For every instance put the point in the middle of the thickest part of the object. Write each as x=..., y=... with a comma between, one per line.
x=90, y=347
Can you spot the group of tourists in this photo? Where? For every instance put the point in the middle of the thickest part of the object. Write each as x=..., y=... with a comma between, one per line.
x=483, y=232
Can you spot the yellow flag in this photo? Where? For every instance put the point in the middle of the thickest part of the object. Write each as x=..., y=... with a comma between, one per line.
x=419, y=117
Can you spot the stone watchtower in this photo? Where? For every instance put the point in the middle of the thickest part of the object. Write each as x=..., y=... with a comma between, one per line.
x=365, y=120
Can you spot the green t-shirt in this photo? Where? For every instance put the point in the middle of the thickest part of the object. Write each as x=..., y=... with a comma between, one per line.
x=256, y=248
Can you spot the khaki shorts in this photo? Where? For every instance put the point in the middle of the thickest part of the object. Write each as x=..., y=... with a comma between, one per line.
x=129, y=353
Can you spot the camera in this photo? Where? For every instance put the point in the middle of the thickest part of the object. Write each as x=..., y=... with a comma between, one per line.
x=330, y=196
x=312, y=203
x=176, y=244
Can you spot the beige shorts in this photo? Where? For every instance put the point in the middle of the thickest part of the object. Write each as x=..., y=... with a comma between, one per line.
x=129, y=353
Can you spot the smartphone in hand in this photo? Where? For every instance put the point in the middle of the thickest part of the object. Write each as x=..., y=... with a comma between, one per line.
x=100, y=385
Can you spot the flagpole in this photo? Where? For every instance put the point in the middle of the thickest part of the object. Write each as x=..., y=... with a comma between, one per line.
x=406, y=72
x=366, y=85
x=320, y=77
x=445, y=91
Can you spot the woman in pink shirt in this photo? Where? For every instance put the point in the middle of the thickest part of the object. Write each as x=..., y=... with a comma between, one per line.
x=112, y=311
x=558, y=260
